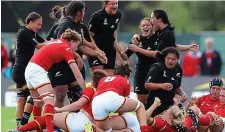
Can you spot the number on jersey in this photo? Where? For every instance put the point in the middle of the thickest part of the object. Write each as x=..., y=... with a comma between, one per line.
x=109, y=79
x=54, y=42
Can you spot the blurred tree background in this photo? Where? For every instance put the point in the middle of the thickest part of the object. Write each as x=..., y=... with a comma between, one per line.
x=186, y=16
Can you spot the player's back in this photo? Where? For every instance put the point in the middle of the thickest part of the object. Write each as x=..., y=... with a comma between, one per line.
x=53, y=52
x=114, y=83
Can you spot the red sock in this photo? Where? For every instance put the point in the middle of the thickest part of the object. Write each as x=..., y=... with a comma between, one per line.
x=37, y=111
x=188, y=121
x=144, y=128
x=48, y=113
x=205, y=120
x=37, y=124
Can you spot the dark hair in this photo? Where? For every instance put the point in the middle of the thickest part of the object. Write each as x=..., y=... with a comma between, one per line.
x=33, y=16
x=160, y=56
x=73, y=7
x=56, y=12
x=123, y=70
x=159, y=13
x=97, y=75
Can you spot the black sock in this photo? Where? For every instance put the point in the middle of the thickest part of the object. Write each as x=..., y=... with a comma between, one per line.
x=18, y=121
x=74, y=93
x=25, y=118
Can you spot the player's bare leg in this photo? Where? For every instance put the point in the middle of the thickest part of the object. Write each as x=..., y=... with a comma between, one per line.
x=21, y=101
x=60, y=93
x=142, y=98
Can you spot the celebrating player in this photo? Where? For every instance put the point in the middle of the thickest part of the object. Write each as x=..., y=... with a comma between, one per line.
x=146, y=40
x=27, y=41
x=164, y=80
x=102, y=26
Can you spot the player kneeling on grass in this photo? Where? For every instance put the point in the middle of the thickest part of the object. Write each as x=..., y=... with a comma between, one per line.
x=111, y=96
x=36, y=72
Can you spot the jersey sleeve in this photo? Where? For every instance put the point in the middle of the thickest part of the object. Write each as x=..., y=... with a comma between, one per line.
x=180, y=78
x=128, y=52
x=93, y=23
x=28, y=38
x=86, y=34
x=167, y=39
x=39, y=39
x=158, y=124
x=152, y=74
x=88, y=93
x=198, y=101
x=51, y=32
x=126, y=88
x=68, y=55
x=61, y=28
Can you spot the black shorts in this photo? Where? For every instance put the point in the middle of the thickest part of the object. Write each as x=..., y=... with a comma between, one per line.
x=139, y=84
x=19, y=79
x=61, y=74
x=111, y=56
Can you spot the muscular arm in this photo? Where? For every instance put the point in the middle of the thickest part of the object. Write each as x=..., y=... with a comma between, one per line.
x=88, y=51
x=74, y=106
x=182, y=47
x=147, y=52
x=93, y=41
x=153, y=72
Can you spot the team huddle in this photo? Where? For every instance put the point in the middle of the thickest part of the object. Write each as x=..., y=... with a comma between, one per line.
x=56, y=71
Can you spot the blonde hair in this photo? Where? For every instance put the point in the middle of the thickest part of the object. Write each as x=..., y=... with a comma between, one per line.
x=71, y=35
x=147, y=19
x=177, y=116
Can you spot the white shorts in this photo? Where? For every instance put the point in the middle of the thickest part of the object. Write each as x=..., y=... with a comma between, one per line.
x=35, y=76
x=106, y=103
x=76, y=122
x=131, y=121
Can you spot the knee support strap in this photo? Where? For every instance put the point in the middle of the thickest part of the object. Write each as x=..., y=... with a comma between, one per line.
x=47, y=95
x=30, y=100
x=138, y=106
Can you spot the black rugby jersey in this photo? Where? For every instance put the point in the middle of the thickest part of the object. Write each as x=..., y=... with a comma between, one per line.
x=103, y=25
x=166, y=38
x=25, y=46
x=143, y=62
x=79, y=27
x=159, y=73
x=51, y=34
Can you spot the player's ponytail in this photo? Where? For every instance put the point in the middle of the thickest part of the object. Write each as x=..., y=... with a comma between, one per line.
x=56, y=12
x=71, y=35
x=123, y=70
